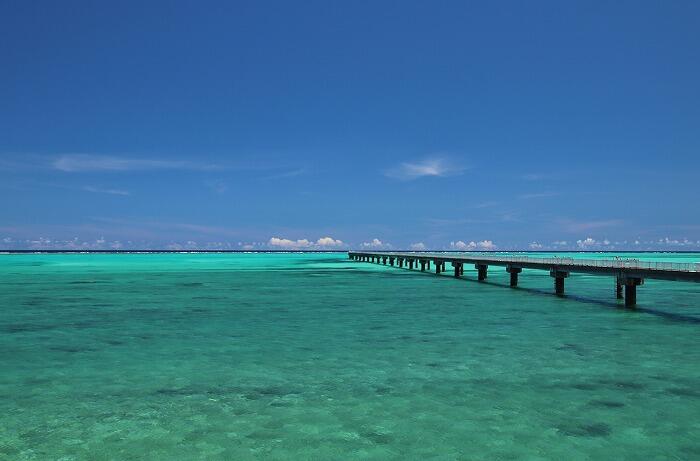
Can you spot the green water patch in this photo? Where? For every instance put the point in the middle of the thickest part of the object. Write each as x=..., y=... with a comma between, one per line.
x=312, y=356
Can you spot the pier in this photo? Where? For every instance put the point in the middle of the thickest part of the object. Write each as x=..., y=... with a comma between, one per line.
x=627, y=274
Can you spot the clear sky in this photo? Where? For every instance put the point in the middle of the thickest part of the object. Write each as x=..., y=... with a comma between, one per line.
x=275, y=124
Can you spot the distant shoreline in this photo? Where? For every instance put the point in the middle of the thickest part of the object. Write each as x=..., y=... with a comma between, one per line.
x=321, y=251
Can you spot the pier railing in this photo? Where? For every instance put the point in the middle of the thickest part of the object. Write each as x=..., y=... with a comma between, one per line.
x=627, y=263
x=621, y=263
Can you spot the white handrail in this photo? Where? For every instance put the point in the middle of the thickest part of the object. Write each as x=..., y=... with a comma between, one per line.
x=617, y=263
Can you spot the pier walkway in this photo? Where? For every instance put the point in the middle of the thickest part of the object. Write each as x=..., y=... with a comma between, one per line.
x=628, y=273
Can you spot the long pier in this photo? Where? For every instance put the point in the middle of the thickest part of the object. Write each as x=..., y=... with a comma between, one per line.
x=628, y=273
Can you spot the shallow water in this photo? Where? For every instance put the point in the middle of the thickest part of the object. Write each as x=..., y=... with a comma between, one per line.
x=312, y=356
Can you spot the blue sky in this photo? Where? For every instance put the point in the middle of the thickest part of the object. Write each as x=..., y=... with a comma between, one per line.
x=463, y=125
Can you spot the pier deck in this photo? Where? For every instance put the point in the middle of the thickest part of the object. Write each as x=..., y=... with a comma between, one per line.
x=628, y=273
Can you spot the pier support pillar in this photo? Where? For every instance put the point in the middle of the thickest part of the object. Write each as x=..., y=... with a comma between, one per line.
x=422, y=266
x=391, y=261
x=410, y=264
x=630, y=296
x=384, y=260
x=559, y=277
x=482, y=270
x=514, y=271
x=631, y=284
x=618, y=289
x=458, y=269
x=438, y=267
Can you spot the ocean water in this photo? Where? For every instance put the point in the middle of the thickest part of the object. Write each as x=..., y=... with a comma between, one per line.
x=315, y=357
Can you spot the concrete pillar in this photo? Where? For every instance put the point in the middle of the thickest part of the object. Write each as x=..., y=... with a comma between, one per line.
x=422, y=265
x=631, y=291
x=384, y=260
x=630, y=296
x=559, y=277
x=482, y=269
x=400, y=262
x=618, y=288
x=513, y=271
x=458, y=269
x=410, y=264
x=438, y=267
x=559, y=286
x=391, y=260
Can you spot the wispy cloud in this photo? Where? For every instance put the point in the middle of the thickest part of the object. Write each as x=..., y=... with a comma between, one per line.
x=99, y=190
x=533, y=177
x=77, y=163
x=424, y=168
x=286, y=174
x=534, y=195
x=582, y=226
x=488, y=204
x=216, y=185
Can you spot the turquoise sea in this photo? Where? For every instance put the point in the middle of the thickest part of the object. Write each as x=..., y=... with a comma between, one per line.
x=315, y=357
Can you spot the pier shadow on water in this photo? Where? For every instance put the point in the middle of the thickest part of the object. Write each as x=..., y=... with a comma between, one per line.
x=618, y=305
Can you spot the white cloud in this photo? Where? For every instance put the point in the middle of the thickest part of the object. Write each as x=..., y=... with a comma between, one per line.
x=486, y=245
x=76, y=163
x=482, y=245
x=428, y=167
x=376, y=244
x=590, y=242
x=560, y=243
x=419, y=246
x=301, y=244
x=666, y=241
x=328, y=242
x=535, y=246
x=277, y=242
x=460, y=245
x=98, y=190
